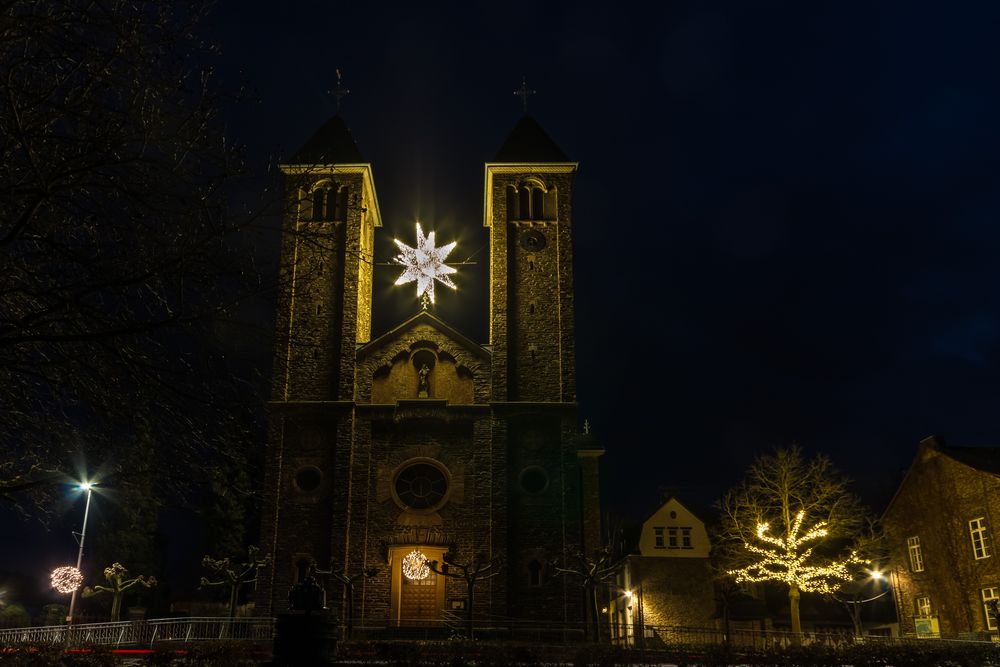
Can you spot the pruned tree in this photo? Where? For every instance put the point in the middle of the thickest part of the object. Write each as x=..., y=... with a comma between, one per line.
x=234, y=575
x=121, y=264
x=480, y=568
x=348, y=580
x=793, y=522
x=118, y=583
x=590, y=572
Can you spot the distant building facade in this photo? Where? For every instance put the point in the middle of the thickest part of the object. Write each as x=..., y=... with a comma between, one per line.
x=388, y=450
x=940, y=525
x=667, y=582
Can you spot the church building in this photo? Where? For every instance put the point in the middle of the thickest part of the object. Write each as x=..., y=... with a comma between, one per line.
x=388, y=451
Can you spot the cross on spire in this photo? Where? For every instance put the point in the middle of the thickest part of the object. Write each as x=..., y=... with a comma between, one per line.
x=523, y=93
x=339, y=92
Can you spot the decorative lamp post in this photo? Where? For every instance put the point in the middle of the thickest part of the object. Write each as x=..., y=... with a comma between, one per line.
x=89, y=488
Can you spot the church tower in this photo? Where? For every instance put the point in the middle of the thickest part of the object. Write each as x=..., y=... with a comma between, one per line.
x=387, y=452
x=330, y=213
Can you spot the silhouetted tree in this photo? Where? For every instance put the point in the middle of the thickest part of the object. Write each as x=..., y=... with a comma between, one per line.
x=234, y=575
x=121, y=264
x=482, y=567
x=118, y=584
x=348, y=581
x=591, y=571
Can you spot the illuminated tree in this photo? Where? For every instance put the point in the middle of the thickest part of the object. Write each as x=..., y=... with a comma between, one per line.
x=481, y=568
x=118, y=584
x=234, y=576
x=793, y=522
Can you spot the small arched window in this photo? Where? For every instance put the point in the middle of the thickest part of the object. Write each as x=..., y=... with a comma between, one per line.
x=301, y=568
x=537, y=210
x=535, y=573
x=524, y=204
x=318, y=197
x=511, y=203
x=340, y=214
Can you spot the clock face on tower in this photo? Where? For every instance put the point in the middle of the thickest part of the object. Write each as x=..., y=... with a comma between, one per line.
x=532, y=240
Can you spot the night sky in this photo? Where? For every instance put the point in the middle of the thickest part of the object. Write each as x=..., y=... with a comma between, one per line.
x=785, y=220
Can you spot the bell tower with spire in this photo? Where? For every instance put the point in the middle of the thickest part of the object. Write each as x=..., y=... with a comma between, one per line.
x=323, y=314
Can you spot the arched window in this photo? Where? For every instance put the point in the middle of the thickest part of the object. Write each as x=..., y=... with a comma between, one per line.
x=535, y=573
x=524, y=201
x=319, y=195
x=340, y=214
x=301, y=568
x=537, y=210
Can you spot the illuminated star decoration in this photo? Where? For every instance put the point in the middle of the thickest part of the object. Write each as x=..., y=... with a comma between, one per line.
x=425, y=264
x=786, y=560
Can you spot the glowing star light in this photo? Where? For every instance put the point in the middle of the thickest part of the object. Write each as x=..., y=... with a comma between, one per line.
x=66, y=579
x=425, y=264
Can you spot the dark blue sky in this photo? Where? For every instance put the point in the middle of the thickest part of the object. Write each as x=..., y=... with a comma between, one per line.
x=785, y=219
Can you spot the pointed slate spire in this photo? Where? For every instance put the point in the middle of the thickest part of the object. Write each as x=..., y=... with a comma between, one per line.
x=528, y=142
x=330, y=144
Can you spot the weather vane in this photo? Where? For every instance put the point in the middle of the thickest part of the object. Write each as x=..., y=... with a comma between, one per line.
x=523, y=93
x=339, y=92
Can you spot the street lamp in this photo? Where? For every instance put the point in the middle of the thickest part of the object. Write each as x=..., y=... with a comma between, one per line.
x=89, y=488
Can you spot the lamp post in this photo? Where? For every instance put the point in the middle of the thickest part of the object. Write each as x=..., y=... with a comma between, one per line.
x=854, y=605
x=89, y=488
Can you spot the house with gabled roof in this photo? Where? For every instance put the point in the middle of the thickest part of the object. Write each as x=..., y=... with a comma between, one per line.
x=940, y=525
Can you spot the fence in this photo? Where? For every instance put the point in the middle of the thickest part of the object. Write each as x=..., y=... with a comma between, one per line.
x=144, y=633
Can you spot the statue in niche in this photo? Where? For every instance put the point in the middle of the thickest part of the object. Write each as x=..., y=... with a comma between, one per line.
x=423, y=385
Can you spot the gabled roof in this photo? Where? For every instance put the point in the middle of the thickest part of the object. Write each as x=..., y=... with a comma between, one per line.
x=423, y=317
x=983, y=459
x=528, y=142
x=330, y=144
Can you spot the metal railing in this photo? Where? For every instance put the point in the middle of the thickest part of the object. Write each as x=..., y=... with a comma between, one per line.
x=143, y=633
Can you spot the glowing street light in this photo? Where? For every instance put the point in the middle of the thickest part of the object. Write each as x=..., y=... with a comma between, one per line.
x=89, y=488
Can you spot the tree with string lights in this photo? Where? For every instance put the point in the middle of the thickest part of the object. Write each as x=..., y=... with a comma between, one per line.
x=793, y=522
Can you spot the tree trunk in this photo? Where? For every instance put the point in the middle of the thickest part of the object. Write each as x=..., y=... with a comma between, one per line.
x=595, y=614
x=793, y=599
x=116, y=607
x=350, y=610
x=468, y=610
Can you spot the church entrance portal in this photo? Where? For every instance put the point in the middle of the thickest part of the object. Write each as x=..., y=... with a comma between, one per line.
x=417, y=593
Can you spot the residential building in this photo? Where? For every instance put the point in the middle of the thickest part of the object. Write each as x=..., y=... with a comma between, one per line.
x=941, y=525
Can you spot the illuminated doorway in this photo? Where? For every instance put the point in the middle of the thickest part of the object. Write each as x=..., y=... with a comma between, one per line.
x=417, y=593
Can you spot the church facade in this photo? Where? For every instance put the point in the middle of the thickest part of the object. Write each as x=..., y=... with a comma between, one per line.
x=389, y=451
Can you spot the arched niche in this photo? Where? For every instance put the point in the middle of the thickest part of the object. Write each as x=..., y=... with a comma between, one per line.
x=445, y=378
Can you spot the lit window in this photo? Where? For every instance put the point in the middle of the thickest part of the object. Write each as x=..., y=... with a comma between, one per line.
x=990, y=595
x=923, y=606
x=658, y=533
x=980, y=540
x=686, y=538
x=672, y=538
x=916, y=556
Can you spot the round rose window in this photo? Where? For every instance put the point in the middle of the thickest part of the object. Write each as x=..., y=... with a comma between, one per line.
x=421, y=486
